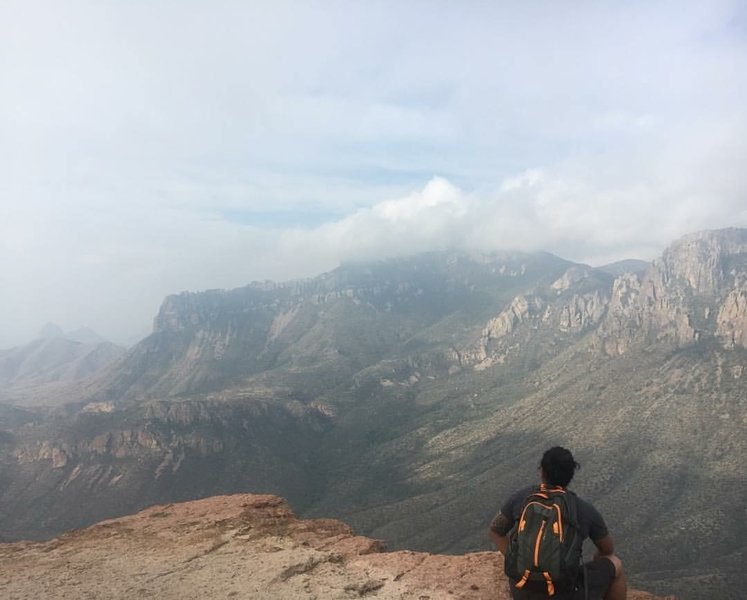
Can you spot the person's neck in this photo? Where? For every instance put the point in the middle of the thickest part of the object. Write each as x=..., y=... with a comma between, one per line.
x=545, y=484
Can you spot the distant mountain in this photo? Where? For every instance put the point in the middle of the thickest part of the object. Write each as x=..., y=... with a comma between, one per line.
x=410, y=396
x=39, y=371
x=84, y=335
x=51, y=330
x=625, y=266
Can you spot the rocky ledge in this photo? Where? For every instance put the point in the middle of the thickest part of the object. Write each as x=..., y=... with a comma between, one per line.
x=239, y=546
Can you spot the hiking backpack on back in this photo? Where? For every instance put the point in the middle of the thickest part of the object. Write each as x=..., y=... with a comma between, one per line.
x=544, y=551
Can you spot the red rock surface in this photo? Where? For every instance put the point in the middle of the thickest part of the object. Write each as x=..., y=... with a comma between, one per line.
x=240, y=546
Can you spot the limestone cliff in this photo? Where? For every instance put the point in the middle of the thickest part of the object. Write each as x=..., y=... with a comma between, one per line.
x=692, y=292
x=546, y=319
x=696, y=290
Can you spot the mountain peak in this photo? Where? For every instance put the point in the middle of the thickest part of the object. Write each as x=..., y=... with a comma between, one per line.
x=703, y=259
x=83, y=335
x=51, y=330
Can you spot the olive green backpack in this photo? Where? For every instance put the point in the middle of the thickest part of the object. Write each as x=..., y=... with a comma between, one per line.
x=544, y=551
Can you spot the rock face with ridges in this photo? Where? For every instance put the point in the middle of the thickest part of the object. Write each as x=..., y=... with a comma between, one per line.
x=104, y=463
x=551, y=316
x=687, y=294
x=731, y=320
x=241, y=546
x=704, y=260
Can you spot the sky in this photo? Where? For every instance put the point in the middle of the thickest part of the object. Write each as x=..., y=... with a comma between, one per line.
x=152, y=147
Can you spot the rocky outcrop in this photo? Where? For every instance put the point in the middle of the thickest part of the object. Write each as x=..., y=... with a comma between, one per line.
x=243, y=546
x=489, y=351
x=693, y=292
x=520, y=309
x=731, y=320
x=571, y=305
x=582, y=312
x=676, y=299
x=702, y=260
x=645, y=311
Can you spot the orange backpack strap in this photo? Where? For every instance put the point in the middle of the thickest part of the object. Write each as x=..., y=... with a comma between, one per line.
x=523, y=580
x=550, y=585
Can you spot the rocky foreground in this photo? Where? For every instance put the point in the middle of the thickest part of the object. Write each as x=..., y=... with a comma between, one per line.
x=239, y=546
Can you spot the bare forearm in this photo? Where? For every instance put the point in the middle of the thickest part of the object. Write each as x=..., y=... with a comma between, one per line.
x=500, y=541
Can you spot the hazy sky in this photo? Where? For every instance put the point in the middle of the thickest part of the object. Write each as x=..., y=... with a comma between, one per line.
x=150, y=147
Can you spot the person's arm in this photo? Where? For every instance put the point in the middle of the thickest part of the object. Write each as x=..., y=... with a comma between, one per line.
x=498, y=532
x=500, y=541
x=598, y=532
x=605, y=546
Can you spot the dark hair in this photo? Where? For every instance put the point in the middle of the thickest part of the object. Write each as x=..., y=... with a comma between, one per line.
x=558, y=466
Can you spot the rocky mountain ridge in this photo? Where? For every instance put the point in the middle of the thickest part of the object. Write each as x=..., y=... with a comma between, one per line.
x=241, y=546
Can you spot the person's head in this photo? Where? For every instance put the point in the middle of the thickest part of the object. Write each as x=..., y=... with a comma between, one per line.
x=558, y=466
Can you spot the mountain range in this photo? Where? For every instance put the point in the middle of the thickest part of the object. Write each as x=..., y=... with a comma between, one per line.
x=409, y=397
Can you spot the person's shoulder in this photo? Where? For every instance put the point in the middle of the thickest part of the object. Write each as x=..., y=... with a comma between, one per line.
x=588, y=512
x=525, y=491
x=515, y=501
x=582, y=503
x=591, y=521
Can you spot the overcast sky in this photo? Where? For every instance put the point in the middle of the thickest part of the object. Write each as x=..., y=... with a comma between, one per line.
x=150, y=147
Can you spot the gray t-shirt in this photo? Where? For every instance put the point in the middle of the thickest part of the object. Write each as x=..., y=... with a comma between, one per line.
x=590, y=523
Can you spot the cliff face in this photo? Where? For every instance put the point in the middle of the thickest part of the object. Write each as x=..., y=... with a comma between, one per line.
x=696, y=291
x=543, y=322
x=243, y=546
x=104, y=462
x=693, y=291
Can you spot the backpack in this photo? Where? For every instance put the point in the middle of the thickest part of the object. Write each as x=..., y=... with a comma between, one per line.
x=544, y=550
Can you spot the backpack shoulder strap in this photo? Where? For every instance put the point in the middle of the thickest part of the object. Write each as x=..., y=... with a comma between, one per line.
x=570, y=500
x=572, y=504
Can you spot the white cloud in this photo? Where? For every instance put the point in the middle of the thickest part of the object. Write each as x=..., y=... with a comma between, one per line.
x=147, y=148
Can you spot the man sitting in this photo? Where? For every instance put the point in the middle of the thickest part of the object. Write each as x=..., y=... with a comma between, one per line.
x=601, y=578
